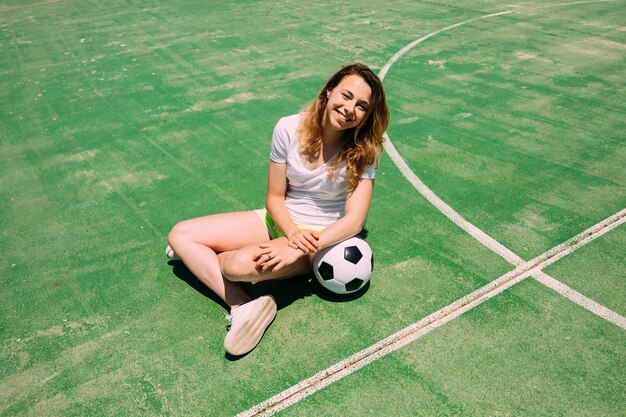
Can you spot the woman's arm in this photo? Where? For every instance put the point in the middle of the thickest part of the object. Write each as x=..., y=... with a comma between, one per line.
x=282, y=251
x=275, y=204
x=356, y=208
x=352, y=222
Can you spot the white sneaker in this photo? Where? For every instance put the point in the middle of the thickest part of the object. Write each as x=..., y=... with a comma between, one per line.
x=169, y=252
x=248, y=323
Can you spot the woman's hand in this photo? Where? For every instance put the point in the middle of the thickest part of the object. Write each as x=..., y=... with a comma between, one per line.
x=275, y=255
x=306, y=240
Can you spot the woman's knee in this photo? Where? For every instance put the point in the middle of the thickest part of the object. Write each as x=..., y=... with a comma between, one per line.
x=180, y=232
x=237, y=265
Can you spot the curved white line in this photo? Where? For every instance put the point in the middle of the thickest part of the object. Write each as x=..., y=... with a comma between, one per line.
x=409, y=334
x=423, y=189
x=450, y=213
x=416, y=42
x=474, y=231
x=437, y=319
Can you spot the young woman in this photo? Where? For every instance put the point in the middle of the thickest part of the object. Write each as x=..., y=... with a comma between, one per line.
x=320, y=183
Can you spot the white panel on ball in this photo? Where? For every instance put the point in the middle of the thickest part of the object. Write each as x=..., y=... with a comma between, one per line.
x=341, y=275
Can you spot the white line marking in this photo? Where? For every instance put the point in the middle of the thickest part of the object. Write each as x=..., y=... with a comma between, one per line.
x=208, y=183
x=573, y=295
x=574, y=3
x=450, y=213
x=409, y=334
x=134, y=207
x=585, y=237
x=410, y=46
x=459, y=220
x=581, y=300
x=439, y=318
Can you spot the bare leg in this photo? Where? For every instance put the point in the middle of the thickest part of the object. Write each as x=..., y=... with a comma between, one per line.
x=198, y=241
x=238, y=266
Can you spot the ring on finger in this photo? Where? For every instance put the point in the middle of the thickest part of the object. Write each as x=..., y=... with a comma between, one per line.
x=269, y=257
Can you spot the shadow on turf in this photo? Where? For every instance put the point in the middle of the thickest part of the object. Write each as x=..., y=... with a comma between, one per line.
x=285, y=291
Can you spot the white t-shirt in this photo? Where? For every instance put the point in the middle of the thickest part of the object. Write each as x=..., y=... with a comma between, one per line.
x=311, y=199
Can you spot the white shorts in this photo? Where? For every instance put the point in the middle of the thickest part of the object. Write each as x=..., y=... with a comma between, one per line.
x=273, y=230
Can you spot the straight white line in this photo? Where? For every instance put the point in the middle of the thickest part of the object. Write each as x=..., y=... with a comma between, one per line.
x=500, y=249
x=439, y=318
x=394, y=342
x=574, y=3
x=581, y=300
x=573, y=295
x=210, y=184
x=409, y=334
x=134, y=207
x=585, y=237
x=459, y=220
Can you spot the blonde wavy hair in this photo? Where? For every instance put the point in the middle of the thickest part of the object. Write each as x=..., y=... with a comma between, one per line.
x=363, y=144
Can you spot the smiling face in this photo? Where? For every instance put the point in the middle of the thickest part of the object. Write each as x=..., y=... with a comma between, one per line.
x=348, y=103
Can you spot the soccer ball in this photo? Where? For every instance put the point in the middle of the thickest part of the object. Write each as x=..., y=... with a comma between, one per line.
x=345, y=267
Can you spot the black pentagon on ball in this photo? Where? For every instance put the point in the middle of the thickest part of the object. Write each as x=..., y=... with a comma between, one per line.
x=352, y=254
x=326, y=271
x=354, y=285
